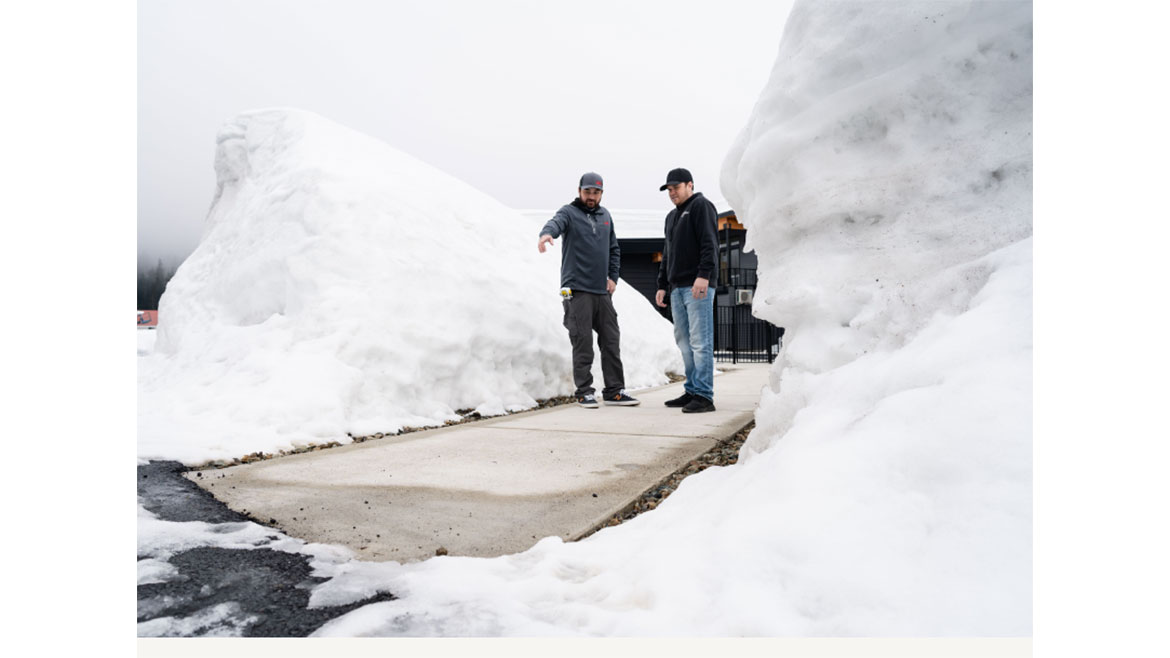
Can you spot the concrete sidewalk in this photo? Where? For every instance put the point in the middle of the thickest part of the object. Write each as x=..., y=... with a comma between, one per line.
x=488, y=488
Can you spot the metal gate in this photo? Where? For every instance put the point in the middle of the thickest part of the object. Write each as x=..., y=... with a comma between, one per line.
x=740, y=336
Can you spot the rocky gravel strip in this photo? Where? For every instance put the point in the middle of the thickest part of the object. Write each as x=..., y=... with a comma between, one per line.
x=468, y=416
x=726, y=452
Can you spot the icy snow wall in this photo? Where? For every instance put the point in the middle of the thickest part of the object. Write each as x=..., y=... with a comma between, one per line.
x=344, y=288
x=885, y=179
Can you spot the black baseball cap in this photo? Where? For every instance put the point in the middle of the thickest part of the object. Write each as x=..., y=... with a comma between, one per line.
x=590, y=181
x=677, y=176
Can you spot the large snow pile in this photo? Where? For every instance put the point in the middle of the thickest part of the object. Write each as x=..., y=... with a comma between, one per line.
x=344, y=288
x=885, y=180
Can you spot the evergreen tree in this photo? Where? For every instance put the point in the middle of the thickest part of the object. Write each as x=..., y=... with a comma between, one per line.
x=152, y=282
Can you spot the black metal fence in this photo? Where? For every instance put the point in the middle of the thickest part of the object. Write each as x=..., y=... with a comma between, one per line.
x=740, y=336
x=737, y=277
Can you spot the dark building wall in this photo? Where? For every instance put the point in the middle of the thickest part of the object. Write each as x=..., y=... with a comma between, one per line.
x=640, y=271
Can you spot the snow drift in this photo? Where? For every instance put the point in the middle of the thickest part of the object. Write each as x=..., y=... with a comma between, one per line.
x=343, y=288
x=885, y=182
x=885, y=179
x=894, y=143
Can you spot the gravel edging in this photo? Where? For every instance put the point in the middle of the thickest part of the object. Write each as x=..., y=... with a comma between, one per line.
x=725, y=453
x=468, y=416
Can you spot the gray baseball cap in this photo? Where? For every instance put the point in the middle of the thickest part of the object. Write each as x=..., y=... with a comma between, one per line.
x=590, y=181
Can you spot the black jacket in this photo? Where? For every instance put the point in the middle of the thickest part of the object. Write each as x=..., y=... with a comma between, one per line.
x=691, y=244
x=590, y=253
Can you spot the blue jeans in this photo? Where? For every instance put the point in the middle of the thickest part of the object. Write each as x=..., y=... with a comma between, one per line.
x=694, y=332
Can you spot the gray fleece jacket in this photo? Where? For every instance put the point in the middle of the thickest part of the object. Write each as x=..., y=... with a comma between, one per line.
x=590, y=252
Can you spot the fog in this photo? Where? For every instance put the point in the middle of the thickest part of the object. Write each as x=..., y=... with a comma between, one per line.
x=515, y=98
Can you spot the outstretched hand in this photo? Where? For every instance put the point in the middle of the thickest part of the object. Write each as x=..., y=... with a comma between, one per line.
x=544, y=239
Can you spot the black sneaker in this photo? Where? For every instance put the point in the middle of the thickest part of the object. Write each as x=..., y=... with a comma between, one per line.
x=698, y=405
x=587, y=401
x=620, y=399
x=680, y=401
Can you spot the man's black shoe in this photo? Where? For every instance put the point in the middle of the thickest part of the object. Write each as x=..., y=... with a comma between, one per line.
x=620, y=399
x=698, y=404
x=680, y=401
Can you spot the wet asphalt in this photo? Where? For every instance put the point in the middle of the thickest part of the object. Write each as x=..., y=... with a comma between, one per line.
x=267, y=590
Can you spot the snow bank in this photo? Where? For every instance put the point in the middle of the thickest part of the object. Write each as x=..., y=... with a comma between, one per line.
x=342, y=287
x=893, y=142
x=885, y=181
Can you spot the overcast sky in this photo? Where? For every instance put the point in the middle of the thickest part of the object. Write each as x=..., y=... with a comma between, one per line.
x=518, y=99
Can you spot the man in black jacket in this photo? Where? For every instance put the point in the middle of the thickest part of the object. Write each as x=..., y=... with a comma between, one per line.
x=688, y=262
x=590, y=262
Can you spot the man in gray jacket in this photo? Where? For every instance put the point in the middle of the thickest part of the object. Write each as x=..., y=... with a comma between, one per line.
x=590, y=261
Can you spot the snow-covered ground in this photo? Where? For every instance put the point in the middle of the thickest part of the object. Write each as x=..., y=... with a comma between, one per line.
x=146, y=339
x=885, y=180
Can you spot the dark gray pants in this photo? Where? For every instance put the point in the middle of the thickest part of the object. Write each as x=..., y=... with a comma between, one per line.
x=584, y=314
